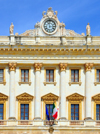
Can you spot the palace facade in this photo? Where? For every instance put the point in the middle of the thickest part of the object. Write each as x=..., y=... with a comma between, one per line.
x=46, y=65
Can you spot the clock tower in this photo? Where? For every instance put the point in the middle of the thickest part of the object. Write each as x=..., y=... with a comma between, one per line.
x=50, y=25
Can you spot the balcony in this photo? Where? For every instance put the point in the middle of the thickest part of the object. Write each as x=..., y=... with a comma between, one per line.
x=73, y=123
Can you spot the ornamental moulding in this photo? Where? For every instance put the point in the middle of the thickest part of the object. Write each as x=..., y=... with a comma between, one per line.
x=88, y=66
x=50, y=49
x=50, y=97
x=3, y=97
x=12, y=66
x=75, y=97
x=96, y=97
x=38, y=66
x=25, y=97
x=63, y=66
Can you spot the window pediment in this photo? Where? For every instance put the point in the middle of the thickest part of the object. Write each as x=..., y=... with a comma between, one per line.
x=50, y=97
x=3, y=97
x=96, y=97
x=24, y=97
x=75, y=97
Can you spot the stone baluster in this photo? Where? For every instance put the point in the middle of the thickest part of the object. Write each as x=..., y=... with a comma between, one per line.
x=88, y=67
x=37, y=109
x=12, y=68
x=63, y=91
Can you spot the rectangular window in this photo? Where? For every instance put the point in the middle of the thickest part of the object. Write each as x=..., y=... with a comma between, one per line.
x=97, y=111
x=50, y=108
x=24, y=75
x=98, y=75
x=1, y=111
x=1, y=75
x=49, y=75
x=74, y=111
x=24, y=111
x=74, y=75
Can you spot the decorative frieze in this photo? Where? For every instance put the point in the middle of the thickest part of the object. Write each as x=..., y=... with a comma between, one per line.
x=38, y=66
x=12, y=66
x=88, y=66
x=63, y=66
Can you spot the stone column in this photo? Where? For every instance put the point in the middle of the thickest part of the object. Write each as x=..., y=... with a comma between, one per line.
x=37, y=109
x=63, y=91
x=12, y=104
x=88, y=67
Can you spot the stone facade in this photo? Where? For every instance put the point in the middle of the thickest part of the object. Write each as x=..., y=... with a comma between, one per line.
x=49, y=47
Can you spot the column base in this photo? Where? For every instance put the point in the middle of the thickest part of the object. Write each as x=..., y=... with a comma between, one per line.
x=63, y=122
x=12, y=121
x=62, y=119
x=38, y=121
x=11, y=118
x=88, y=119
x=89, y=122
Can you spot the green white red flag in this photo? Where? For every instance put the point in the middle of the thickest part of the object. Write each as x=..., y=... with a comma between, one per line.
x=54, y=112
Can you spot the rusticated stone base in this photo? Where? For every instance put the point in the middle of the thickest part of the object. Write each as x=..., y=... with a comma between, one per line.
x=46, y=132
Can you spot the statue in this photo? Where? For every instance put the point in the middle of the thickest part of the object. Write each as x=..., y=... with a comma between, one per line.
x=88, y=29
x=62, y=26
x=37, y=26
x=11, y=28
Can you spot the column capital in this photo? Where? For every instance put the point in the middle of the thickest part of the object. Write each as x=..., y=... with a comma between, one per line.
x=88, y=66
x=12, y=66
x=63, y=66
x=38, y=66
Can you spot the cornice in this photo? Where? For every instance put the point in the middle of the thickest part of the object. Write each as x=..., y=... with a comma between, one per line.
x=49, y=50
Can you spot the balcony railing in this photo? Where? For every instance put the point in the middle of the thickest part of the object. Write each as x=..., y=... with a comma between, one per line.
x=76, y=122
x=25, y=122
x=49, y=123
x=3, y=122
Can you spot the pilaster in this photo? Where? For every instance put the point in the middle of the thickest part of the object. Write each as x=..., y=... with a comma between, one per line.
x=12, y=68
x=37, y=115
x=62, y=91
x=88, y=67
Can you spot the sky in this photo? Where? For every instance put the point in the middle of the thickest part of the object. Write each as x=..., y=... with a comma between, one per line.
x=74, y=13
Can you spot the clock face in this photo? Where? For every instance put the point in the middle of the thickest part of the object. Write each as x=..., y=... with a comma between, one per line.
x=49, y=26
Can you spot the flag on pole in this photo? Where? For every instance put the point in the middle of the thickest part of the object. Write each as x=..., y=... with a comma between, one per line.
x=47, y=114
x=54, y=112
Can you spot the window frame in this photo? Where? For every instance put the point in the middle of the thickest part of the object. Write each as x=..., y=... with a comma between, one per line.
x=4, y=74
x=74, y=110
x=96, y=111
x=24, y=111
x=95, y=103
x=24, y=75
x=50, y=68
x=79, y=76
x=95, y=74
x=49, y=75
x=49, y=109
x=80, y=108
x=74, y=75
x=29, y=77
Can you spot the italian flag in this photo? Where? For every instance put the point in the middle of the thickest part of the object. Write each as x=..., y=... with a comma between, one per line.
x=54, y=112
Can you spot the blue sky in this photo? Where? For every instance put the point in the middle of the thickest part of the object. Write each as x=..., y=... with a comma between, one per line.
x=74, y=13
